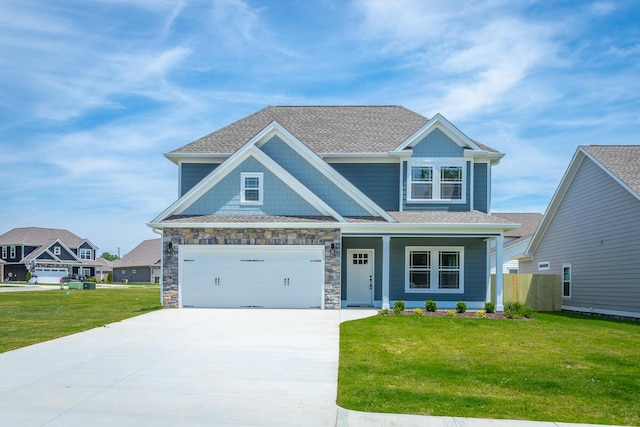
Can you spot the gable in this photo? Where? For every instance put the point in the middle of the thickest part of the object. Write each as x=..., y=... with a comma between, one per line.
x=437, y=144
x=311, y=177
x=224, y=197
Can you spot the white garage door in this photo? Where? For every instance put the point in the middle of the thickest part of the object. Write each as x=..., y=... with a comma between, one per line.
x=251, y=276
x=50, y=275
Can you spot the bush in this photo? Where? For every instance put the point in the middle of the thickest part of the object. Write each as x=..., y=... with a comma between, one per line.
x=451, y=313
x=417, y=311
x=109, y=278
x=489, y=307
x=384, y=312
x=461, y=307
x=398, y=307
x=482, y=314
x=91, y=279
x=430, y=305
x=517, y=310
x=28, y=276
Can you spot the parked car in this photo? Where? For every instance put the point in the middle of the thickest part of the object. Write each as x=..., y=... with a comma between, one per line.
x=72, y=278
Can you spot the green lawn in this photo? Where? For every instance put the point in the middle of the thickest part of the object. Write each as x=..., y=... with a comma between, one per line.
x=559, y=367
x=31, y=317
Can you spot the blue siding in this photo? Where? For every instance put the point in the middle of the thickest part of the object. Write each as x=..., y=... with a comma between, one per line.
x=480, y=190
x=224, y=197
x=379, y=181
x=374, y=243
x=192, y=173
x=308, y=175
x=475, y=269
x=437, y=144
x=437, y=206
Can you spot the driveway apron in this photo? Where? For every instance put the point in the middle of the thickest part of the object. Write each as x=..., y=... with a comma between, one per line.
x=181, y=367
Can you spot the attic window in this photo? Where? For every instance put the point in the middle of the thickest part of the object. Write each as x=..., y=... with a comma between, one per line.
x=56, y=250
x=251, y=188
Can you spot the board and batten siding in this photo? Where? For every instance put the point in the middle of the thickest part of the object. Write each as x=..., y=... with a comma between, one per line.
x=480, y=187
x=596, y=229
x=379, y=181
x=193, y=173
x=475, y=269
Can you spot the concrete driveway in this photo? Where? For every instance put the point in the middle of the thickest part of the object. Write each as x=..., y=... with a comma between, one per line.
x=181, y=367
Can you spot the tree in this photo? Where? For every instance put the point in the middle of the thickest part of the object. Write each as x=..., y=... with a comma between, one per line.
x=108, y=256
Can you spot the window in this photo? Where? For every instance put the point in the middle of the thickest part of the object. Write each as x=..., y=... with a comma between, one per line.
x=360, y=258
x=434, y=269
x=12, y=253
x=436, y=180
x=56, y=250
x=566, y=280
x=4, y=252
x=544, y=265
x=251, y=191
x=85, y=253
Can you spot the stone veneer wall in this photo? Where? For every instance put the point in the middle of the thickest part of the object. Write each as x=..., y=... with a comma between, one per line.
x=252, y=236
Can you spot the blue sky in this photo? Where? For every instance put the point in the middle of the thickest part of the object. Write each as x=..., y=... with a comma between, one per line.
x=94, y=92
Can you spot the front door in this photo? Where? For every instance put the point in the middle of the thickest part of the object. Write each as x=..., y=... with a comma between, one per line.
x=360, y=277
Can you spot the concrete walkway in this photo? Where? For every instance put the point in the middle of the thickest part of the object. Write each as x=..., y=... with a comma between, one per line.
x=192, y=367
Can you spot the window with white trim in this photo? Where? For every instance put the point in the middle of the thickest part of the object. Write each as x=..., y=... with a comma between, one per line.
x=4, y=252
x=56, y=250
x=566, y=280
x=251, y=188
x=12, y=252
x=436, y=180
x=434, y=269
x=544, y=265
x=85, y=253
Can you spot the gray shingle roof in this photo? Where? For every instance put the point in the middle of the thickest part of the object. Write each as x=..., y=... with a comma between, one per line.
x=528, y=223
x=201, y=219
x=36, y=236
x=146, y=253
x=622, y=160
x=473, y=217
x=323, y=129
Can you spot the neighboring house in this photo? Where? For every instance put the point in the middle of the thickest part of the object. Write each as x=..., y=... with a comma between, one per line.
x=141, y=265
x=331, y=207
x=2, y=263
x=590, y=233
x=516, y=240
x=104, y=267
x=47, y=253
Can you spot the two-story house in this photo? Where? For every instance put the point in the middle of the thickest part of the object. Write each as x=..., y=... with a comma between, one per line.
x=46, y=253
x=330, y=207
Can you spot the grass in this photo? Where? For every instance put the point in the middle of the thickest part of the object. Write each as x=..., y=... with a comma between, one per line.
x=560, y=367
x=30, y=317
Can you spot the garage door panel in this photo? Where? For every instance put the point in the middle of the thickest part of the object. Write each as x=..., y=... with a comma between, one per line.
x=240, y=276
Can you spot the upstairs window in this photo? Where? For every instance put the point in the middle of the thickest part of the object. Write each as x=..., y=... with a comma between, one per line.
x=251, y=188
x=56, y=250
x=85, y=253
x=4, y=252
x=436, y=180
x=12, y=252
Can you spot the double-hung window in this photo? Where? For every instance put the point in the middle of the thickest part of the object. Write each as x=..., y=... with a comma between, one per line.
x=434, y=269
x=12, y=252
x=85, y=253
x=436, y=180
x=566, y=280
x=251, y=188
x=56, y=250
x=4, y=252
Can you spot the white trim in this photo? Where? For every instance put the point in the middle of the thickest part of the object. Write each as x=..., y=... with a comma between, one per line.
x=400, y=193
x=434, y=269
x=472, y=180
x=385, y=271
x=259, y=188
x=439, y=122
x=12, y=251
x=566, y=265
x=437, y=164
x=591, y=310
x=57, y=250
x=4, y=252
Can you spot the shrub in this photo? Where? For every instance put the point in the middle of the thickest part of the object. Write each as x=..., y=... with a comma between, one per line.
x=398, y=307
x=482, y=314
x=430, y=305
x=451, y=313
x=109, y=278
x=384, y=312
x=461, y=307
x=489, y=307
x=517, y=310
x=91, y=279
x=417, y=311
x=28, y=276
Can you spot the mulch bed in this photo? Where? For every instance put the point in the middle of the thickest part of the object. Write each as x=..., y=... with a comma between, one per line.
x=443, y=313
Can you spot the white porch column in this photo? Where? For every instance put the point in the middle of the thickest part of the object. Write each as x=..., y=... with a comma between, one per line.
x=488, y=294
x=499, y=282
x=385, y=272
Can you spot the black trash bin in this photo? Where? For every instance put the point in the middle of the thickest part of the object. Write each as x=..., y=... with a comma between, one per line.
x=88, y=286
